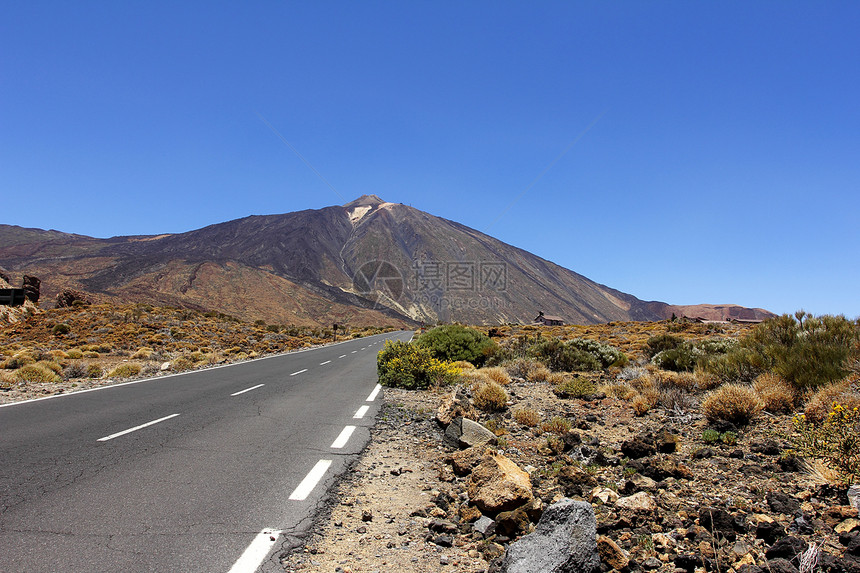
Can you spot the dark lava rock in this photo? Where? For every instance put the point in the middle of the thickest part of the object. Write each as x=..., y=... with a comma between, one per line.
x=767, y=448
x=723, y=426
x=737, y=454
x=719, y=521
x=790, y=463
x=786, y=548
x=443, y=540
x=688, y=562
x=780, y=502
x=637, y=448
x=770, y=532
x=703, y=454
x=780, y=565
x=751, y=470
x=852, y=547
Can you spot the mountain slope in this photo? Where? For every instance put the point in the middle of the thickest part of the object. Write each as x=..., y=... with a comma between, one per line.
x=369, y=261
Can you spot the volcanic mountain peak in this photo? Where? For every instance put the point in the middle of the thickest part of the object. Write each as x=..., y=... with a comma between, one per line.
x=365, y=201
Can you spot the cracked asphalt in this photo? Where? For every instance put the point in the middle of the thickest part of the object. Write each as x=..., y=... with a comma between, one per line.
x=189, y=493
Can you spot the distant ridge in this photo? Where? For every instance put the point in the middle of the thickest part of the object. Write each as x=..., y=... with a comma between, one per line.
x=366, y=262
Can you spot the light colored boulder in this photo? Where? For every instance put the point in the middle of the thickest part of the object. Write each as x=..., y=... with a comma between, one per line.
x=640, y=501
x=497, y=484
x=464, y=433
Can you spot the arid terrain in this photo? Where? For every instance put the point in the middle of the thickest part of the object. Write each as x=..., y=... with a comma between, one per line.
x=668, y=495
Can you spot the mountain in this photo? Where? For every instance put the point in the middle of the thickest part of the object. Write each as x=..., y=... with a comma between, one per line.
x=366, y=262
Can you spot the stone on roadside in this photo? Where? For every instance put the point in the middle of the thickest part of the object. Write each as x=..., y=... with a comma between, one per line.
x=464, y=461
x=465, y=433
x=563, y=541
x=603, y=495
x=497, y=484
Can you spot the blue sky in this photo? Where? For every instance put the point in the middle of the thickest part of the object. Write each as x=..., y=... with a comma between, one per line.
x=713, y=148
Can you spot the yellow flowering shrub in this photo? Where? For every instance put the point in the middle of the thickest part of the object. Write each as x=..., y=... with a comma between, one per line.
x=403, y=365
x=836, y=440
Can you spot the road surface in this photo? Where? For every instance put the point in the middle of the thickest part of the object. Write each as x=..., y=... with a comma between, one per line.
x=216, y=470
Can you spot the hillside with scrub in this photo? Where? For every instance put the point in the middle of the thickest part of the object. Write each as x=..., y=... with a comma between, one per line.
x=698, y=446
x=84, y=346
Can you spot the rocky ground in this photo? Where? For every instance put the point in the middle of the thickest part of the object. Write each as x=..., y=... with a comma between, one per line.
x=664, y=500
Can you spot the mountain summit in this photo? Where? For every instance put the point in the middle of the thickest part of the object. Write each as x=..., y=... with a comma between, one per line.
x=366, y=262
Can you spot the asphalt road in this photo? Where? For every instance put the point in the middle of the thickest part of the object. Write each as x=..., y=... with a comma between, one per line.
x=221, y=479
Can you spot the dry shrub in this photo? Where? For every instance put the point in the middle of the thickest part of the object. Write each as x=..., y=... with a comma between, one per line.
x=645, y=399
x=90, y=354
x=706, y=380
x=95, y=371
x=522, y=367
x=181, y=364
x=621, y=390
x=556, y=378
x=778, y=396
x=527, y=417
x=735, y=403
x=540, y=374
x=819, y=406
x=36, y=373
x=490, y=397
x=463, y=365
x=58, y=354
x=684, y=380
x=556, y=425
x=50, y=365
x=126, y=370
x=144, y=353
x=497, y=374
x=574, y=387
x=19, y=360
x=74, y=353
x=7, y=379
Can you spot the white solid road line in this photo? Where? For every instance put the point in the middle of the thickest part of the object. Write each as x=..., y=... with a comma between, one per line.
x=299, y=372
x=130, y=430
x=310, y=481
x=247, y=389
x=373, y=394
x=253, y=556
x=361, y=412
x=343, y=438
x=324, y=363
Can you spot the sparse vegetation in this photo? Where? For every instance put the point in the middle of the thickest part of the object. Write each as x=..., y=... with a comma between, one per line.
x=404, y=365
x=735, y=403
x=527, y=417
x=835, y=440
x=490, y=397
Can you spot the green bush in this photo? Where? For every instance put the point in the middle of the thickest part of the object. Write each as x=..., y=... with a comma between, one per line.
x=682, y=358
x=606, y=354
x=805, y=351
x=453, y=342
x=660, y=343
x=403, y=365
x=560, y=357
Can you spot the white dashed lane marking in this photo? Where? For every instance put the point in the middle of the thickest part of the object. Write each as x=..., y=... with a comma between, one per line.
x=373, y=394
x=299, y=372
x=247, y=389
x=311, y=480
x=136, y=428
x=343, y=438
x=253, y=556
x=361, y=412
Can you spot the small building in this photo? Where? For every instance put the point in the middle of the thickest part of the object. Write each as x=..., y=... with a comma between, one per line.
x=548, y=320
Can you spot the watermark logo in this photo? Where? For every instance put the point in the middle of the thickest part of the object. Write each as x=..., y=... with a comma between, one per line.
x=378, y=279
x=459, y=276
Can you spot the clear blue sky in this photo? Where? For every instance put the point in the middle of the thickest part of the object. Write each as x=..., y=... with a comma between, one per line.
x=716, y=155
